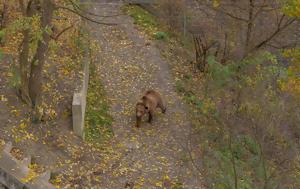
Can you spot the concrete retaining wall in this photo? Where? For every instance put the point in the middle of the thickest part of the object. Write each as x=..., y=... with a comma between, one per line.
x=79, y=100
x=13, y=171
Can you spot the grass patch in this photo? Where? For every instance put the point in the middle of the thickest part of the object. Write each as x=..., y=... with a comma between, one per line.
x=156, y=29
x=161, y=35
x=146, y=21
x=14, y=78
x=98, y=121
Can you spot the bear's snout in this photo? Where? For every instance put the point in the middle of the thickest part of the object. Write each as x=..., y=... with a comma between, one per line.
x=138, y=114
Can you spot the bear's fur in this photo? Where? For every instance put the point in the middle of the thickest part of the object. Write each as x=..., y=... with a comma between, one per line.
x=147, y=105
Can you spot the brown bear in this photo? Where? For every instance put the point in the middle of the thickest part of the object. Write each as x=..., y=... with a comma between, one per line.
x=147, y=105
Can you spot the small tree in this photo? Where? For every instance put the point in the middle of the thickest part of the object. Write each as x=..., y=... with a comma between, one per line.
x=37, y=31
x=202, y=50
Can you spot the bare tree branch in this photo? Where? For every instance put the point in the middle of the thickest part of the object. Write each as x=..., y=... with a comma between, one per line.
x=61, y=32
x=287, y=46
x=78, y=8
x=235, y=5
x=279, y=29
x=232, y=16
x=85, y=17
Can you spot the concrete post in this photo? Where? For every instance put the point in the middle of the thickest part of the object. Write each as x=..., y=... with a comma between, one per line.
x=79, y=100
x=77, y=114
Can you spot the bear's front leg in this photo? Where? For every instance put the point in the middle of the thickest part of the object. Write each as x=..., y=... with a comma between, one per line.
x=150, y=117
x=138, y=122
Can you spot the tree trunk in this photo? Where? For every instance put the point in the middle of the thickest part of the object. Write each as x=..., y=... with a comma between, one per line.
x=24, y=68
x=35, y=80
x=24, y=55
x=249, y=28
x=3, y=15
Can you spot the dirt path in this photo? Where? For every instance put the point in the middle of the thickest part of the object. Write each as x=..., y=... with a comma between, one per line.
x=128, y=66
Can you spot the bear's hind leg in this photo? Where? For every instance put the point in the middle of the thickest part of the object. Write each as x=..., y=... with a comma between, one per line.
x=162, y=107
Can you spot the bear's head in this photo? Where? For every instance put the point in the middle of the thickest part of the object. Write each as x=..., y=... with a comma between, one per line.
x=141, y=109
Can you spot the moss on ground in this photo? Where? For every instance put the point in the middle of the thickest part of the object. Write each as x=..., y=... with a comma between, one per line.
x=148, y=23
x=98, y=122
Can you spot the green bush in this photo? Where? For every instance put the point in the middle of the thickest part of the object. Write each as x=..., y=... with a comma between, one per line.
x=160, y=35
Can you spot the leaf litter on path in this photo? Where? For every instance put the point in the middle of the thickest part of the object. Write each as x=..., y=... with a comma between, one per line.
x=148, y=155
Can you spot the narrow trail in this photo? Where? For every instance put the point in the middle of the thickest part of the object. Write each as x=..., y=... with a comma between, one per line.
x=128, y=66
